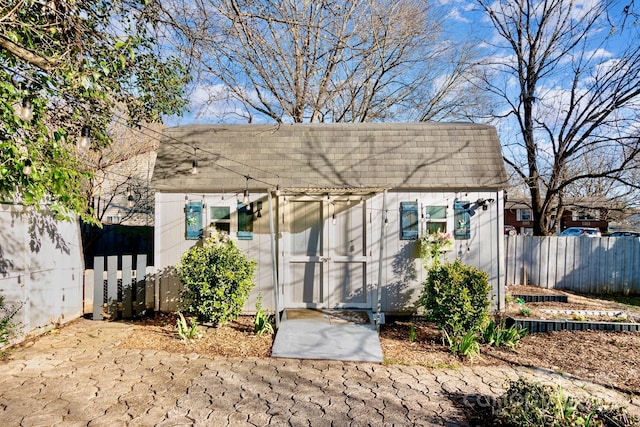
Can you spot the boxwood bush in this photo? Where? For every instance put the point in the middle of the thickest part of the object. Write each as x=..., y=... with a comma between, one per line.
x=217, y=278
x=455, y=298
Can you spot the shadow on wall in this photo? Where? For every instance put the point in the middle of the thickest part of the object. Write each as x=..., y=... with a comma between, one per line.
x=398, y=295
x=170, y=287
x=16, y=222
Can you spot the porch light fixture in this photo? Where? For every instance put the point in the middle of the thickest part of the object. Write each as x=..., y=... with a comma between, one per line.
x=484, y=203
x=129, y=198
x=26, y=111
x=194, y=163
x=245, y=195
x=278, y=190
x=259, y=209
x=27, y=167
x=333, y=219
x=85, y=138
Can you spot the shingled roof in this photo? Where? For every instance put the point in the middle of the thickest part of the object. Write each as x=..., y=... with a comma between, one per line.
x=420, y=156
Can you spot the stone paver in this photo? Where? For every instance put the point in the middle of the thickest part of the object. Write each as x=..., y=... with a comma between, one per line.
x=79, y=377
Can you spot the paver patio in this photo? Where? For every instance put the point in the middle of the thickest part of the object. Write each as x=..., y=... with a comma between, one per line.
x=80, y=377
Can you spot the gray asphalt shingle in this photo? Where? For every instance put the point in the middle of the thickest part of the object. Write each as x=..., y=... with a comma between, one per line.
x=427, y=156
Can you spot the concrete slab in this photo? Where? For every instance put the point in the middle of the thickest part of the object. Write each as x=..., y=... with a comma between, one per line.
x=328, y=334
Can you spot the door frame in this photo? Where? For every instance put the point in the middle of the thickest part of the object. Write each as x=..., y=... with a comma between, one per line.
x=324, y=259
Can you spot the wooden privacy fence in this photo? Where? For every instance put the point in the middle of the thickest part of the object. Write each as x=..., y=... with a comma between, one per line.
x=597, y=265
x=119, y=287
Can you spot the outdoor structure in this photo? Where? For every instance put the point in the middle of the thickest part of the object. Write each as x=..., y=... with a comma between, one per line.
x=331, y=212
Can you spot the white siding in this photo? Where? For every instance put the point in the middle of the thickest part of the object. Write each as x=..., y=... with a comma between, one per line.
x=403, y=272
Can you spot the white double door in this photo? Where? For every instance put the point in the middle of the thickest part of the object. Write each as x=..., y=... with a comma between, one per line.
x=325, y=254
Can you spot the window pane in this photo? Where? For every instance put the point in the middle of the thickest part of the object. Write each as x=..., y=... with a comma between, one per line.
x=436, y=212
x=435, y=227
x=220, y=212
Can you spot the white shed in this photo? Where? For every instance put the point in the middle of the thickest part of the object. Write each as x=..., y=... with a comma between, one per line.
x=331, y=211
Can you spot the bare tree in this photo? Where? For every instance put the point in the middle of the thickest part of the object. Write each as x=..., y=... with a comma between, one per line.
x=119, y=186
x=572, y=87
x=315, y=61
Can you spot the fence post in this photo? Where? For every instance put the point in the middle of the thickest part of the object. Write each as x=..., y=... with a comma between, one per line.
x=98, y=287
x=112, y=287
x=127, y=287
x=141, y=283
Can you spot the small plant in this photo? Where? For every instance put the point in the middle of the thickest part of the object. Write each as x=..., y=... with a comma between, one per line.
x=525, y=311
x=413, y=336
x=187, y=332
x=8, y=328
x=431, y=245
x=465, y=346
x=262, y=322
x=578, y=317
x=528, y=403
x=498, y=335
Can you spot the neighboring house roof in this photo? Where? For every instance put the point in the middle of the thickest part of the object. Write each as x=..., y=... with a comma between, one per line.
x=434, y=156
x=571, y=203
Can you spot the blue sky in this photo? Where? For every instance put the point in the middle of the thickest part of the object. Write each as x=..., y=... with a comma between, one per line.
x=464, y=21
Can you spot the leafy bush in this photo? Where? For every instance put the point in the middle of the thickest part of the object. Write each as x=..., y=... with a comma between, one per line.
x=455, y=298
x=7, y=326
x=498, y=335
x=431, y=245
x=528, y=403
x=217, y=279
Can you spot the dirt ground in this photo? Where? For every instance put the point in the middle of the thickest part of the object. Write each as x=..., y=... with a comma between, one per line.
x=607, y=358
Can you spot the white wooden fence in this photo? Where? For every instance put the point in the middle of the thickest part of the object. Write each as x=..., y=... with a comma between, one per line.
x=596, y=265
x=112, y=292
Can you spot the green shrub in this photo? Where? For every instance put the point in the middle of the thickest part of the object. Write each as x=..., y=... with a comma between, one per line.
x=217, y=278
x=7, y=326
x=532, y=404
x=455, y=298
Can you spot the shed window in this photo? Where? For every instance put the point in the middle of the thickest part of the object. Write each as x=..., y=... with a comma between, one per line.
x=462, y=220
x=193, y=220
x=221, y=218
x=436, y=219
x=408, y=220
x=245, y=221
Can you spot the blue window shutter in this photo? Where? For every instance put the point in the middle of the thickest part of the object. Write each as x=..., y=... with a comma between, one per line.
x=409, y=220
x=462, y=230
x=193, y=220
